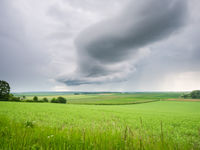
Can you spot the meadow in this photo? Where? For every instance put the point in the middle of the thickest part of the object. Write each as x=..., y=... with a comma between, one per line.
x=150, y=122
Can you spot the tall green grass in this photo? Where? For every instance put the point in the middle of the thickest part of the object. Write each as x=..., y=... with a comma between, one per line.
x=158, y=125
x=29, y=136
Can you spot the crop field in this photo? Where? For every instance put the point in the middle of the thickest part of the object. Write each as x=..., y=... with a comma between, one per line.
x=108, y=98
x=157, y=125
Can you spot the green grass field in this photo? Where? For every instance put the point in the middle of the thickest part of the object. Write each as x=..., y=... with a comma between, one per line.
x=154, y=125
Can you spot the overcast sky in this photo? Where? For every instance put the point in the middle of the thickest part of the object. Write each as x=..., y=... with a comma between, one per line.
x=100, y=45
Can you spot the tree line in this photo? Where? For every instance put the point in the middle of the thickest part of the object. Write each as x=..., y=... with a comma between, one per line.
x=5, y=95
x=194, y=94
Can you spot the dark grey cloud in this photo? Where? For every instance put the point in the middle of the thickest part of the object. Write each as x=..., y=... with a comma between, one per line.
x=106, y=51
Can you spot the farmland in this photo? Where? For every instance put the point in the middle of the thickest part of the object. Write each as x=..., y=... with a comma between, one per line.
x=106, y=98
x=150, y=122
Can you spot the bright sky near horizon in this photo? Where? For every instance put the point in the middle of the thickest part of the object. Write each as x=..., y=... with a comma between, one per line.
x=107, y=45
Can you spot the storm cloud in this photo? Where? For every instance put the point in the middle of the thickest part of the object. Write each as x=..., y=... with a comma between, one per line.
x=107, y=51
x=107, y=45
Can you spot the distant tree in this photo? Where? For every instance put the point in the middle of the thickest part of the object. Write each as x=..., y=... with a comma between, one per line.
x=185, y=95
x=61, y=100
x=23, y=97
x=45, y=99
x=4, y=90
x=53, y=100
x=195, y=94
x=35, y=99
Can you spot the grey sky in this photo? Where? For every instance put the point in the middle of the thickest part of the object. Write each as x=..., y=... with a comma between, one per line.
x=93, y=45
